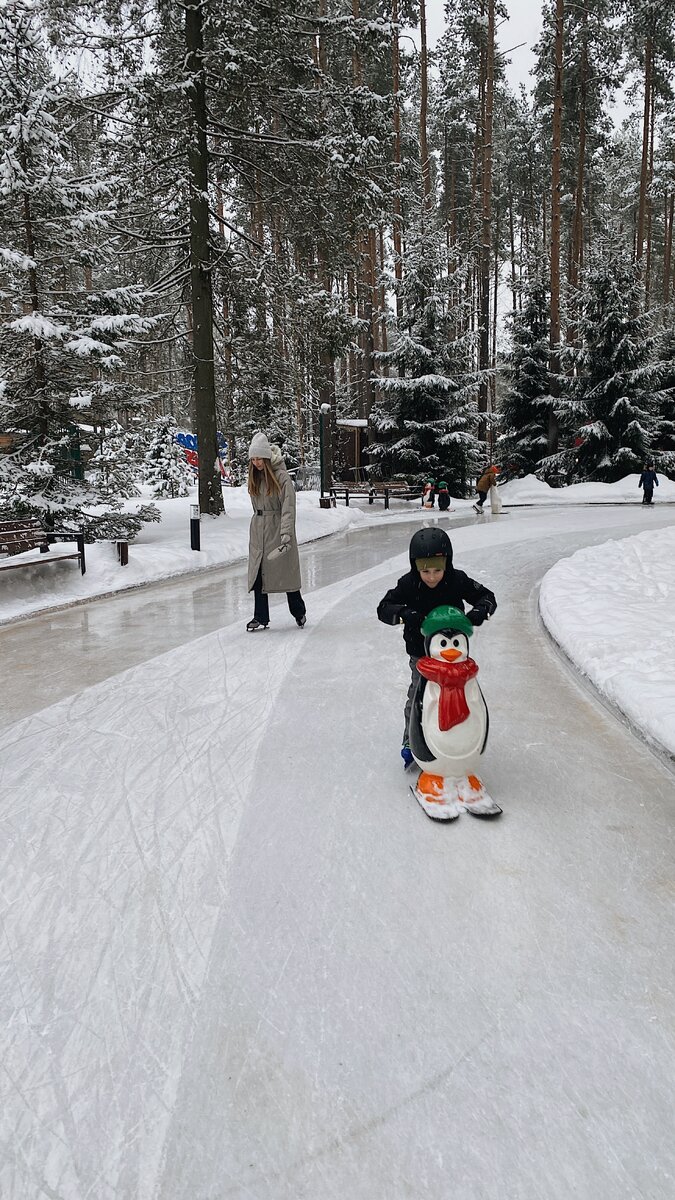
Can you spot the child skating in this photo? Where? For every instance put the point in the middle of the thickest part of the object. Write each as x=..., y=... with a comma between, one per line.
x=434, y=586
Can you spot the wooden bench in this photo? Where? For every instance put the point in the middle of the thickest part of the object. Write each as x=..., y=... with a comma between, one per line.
x=19, y=536
x=375, y=491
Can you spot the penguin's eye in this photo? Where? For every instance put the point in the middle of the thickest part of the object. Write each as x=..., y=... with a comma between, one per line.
x=443, y=642
x=455, y=641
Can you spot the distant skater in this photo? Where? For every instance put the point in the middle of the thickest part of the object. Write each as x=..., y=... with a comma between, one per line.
x=273, y=559
x=647, y=480
x=487, y=480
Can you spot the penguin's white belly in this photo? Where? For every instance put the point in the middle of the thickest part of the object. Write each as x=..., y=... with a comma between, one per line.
x=456, y=751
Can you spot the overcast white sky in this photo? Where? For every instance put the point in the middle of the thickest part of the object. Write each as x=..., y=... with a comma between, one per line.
x=523, y=25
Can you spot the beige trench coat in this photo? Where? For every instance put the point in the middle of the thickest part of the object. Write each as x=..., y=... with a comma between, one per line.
x=272, y=517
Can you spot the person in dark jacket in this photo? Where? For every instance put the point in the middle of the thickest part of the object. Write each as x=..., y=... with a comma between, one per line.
x=647, y=480
x=432, y=580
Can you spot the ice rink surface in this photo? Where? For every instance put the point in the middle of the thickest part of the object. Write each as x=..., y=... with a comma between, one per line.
x=239, y=961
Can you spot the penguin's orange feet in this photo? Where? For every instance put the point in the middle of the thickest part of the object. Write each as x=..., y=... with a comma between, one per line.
x=431, y=787
x=475, y=783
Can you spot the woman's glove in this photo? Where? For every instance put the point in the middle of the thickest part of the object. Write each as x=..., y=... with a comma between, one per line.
x=284, y=543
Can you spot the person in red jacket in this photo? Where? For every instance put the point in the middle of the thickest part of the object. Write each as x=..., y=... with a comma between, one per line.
x=431, y=581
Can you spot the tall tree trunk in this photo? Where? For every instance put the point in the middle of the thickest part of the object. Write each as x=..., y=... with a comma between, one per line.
x=668, y=247
x=644, y=166
x=578, y=221
x=424, y=97
x=486, y=206
x=554, y=358
x=650, y=177
x=382, y=300
x=204, y=385
x=39, y=374
x=397, y=223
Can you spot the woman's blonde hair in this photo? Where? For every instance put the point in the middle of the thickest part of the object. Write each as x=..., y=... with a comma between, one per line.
x=256, y=478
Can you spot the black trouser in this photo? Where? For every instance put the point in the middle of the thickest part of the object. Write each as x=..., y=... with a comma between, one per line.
x=482, y=497
x=648, y=496
x=413, y=659
x=261, y=611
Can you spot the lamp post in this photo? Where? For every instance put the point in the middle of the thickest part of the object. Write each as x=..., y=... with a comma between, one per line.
x=324, y=410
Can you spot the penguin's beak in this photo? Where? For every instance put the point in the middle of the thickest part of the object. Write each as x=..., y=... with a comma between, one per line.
x=451, y=655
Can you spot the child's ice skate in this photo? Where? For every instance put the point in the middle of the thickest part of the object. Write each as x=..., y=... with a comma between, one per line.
x=473, y=798
x=432, y=795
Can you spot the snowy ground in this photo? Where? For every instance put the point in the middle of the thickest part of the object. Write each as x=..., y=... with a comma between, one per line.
x=239, y=961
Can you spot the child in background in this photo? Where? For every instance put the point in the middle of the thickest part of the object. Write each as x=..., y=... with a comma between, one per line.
x=431, y=581
x=647, y=480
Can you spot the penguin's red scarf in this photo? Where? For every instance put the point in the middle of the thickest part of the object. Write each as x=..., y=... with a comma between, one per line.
x=451, y=678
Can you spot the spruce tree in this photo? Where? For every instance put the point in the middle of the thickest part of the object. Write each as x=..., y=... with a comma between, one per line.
x=66, y=326
x=617, y=385
x=524, y=410
x=114, y=468
x=166, y=470
x=425, y=417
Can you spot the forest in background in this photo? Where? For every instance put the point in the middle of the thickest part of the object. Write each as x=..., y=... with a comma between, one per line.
x=225, y=218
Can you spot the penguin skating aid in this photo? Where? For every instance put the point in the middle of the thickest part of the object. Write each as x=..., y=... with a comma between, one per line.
x=449, y=722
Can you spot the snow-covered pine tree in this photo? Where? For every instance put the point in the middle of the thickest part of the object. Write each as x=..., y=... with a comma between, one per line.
x=166, y=470
x=114, y=468
x=66, y=321
x=617, y=385
x=426, y=416
x=524, y=409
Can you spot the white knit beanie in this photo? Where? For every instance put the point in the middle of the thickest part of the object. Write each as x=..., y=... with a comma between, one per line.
x=260, y=447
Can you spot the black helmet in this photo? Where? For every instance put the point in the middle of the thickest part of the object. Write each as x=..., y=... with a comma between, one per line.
x=427, y=543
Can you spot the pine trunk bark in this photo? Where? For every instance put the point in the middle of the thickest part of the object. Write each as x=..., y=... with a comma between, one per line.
x=650, y=177
x=204, y=385
x=397, y=223
x=668, y=248
x=576, y=262
x=424, y=100
x=486, y=207
x=39, y=374
x=554, y=357
x=644, y=165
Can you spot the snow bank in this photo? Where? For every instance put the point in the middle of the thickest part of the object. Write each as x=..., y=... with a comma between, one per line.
x=610, y=608
x=531, y=490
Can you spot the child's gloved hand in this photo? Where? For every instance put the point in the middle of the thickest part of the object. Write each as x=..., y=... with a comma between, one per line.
x=411, y=619
x=478, y=614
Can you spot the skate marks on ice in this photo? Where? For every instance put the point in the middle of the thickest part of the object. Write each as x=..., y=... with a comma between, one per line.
x=375, y=986
x=119, y=814
x=213, y=991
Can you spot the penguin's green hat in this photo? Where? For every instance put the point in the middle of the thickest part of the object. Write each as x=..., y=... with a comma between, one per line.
x=445, y=618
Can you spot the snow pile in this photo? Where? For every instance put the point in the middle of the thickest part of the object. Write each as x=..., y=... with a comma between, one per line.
x=610, y=608
x=531, y=490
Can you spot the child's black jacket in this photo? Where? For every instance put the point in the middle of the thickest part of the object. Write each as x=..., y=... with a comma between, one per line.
x=411, y=600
